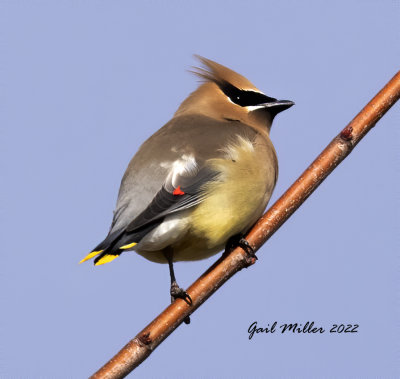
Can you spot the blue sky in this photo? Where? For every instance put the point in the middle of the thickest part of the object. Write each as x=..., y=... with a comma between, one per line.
x=83, y=84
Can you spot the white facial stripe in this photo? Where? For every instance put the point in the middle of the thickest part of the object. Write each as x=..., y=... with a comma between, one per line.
x=252, y=90
x=251, y=108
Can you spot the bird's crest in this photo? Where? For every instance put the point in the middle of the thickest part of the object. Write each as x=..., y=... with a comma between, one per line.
x=215, y=72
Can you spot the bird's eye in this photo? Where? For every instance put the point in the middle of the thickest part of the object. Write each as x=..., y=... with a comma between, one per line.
x=244, y=98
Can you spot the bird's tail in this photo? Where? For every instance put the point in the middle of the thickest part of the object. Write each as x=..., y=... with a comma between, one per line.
x=102, y=249
x=115, y=244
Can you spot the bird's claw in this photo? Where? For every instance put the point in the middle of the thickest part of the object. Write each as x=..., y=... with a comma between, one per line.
x=179, y=293
x=240, y=241
x=244, y=244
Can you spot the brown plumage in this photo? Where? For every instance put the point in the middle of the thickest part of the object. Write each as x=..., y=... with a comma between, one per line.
x=204, y=177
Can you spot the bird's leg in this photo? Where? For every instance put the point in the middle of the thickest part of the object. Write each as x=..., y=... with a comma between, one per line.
x=239, y=241
x=176, y=291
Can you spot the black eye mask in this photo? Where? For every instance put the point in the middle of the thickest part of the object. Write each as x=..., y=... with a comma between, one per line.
x=244, y=98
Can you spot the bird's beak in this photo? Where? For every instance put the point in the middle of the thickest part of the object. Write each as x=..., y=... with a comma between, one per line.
x=278, y=105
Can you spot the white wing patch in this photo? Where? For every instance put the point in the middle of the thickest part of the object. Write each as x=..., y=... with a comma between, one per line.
x=185, y=166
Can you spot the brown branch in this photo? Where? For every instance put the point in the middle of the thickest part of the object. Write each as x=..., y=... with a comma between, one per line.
x=138, y=349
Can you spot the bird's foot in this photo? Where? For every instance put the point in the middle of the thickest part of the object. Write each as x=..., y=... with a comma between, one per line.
x=240, y=241
x=179, y=293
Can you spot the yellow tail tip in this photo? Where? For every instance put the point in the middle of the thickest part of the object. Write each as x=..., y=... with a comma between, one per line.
x=91, y=255
x=107, y=258
x=128, y=246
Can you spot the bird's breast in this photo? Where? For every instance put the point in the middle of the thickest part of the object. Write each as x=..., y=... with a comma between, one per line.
x=235, y=202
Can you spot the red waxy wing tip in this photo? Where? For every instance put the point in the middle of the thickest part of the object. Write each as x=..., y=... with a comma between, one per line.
x=178, y=191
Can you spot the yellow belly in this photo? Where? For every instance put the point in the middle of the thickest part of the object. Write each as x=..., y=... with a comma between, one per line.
x=238, y=200
x=232, y=204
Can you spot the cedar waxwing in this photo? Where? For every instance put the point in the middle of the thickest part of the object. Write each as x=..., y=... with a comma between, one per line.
x=202, y=179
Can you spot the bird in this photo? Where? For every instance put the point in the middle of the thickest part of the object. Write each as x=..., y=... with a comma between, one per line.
x=200, y=182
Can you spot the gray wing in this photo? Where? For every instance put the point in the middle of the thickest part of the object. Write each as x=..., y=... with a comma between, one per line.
x=178, y=193
x=185, y=193
x=186, y=136
x=167, y=175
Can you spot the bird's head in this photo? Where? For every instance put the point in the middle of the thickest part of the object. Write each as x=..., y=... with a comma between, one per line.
x=227, y=95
